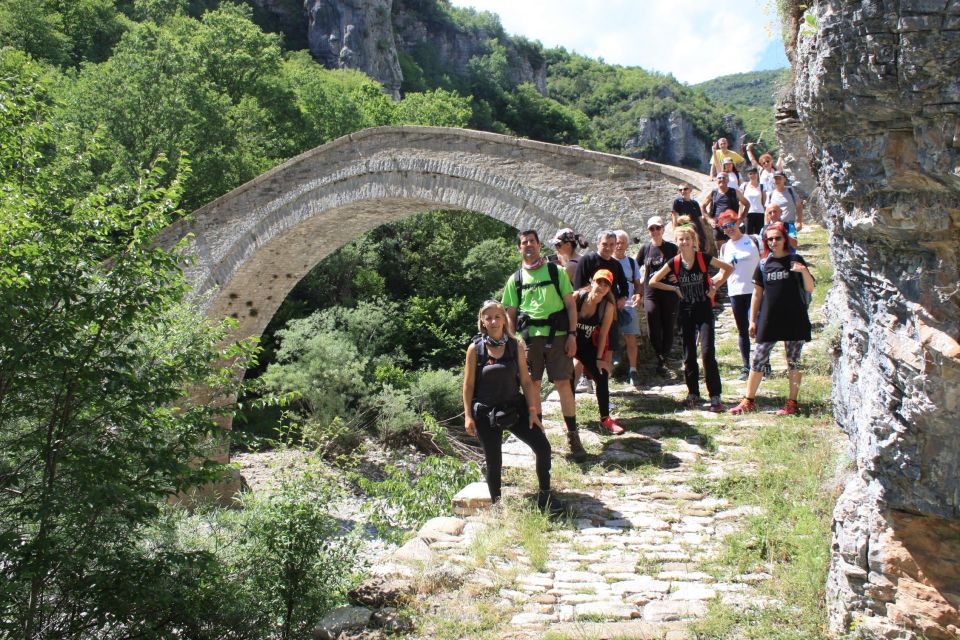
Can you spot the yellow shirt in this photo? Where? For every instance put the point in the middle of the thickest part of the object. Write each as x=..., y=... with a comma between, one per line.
x=723, y=155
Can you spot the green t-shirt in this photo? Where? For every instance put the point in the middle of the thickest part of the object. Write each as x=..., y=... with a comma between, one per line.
x=541, y=301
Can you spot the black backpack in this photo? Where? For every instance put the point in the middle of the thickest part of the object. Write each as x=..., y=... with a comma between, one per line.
x=557, y=321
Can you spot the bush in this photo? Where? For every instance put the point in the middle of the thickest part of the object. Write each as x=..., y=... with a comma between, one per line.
x=439, y=393
x=322, y=366
x=277, y=565
x=405, y=500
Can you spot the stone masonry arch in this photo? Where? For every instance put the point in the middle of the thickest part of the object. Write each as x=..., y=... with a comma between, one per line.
x=252, y=245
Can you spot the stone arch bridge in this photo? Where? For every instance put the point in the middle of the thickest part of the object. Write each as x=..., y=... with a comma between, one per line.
x=252, y=245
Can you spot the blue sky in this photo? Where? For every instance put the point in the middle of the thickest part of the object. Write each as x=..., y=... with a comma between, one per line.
x=695, y=40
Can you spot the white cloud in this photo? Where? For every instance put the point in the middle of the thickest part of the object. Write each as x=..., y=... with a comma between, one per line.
x=695, y=40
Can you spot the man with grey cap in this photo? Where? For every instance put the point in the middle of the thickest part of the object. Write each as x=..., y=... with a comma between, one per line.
x=660, y=306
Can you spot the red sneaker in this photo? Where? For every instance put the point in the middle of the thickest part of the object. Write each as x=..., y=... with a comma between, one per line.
x=746, y=406
x=789, y=409
x=611, y=425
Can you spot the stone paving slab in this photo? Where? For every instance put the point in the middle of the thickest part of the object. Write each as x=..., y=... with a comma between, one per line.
x=630, y=563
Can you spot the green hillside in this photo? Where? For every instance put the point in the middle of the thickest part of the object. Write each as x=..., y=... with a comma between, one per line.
x=751, y=96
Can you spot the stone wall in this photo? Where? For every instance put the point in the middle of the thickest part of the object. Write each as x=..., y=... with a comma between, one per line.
x=877, y=89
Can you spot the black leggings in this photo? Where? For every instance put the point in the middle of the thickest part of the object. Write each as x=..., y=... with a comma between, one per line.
x=754, y=223
x=587, y=354
x=661, y=320
x=492, y=438
x=697, y=323
x=740, y=305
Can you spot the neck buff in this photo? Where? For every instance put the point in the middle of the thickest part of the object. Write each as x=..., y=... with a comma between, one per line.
x=490, y=342
x=534, y=265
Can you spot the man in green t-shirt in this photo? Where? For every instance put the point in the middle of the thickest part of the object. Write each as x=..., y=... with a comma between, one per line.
x=537, y=310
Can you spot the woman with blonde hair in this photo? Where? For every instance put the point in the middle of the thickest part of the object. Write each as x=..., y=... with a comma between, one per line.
x=494, y=372
x=696, y=290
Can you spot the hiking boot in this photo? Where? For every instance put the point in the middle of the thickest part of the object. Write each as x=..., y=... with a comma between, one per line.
x=789, y=409
x=611, y=425
x=633, y=378
x=746, y=405
x=661, y=366
x=716, y=406
x=577, y=452
x=692, y=401
x=548, y=504
x=585, y=385
x=744, y=374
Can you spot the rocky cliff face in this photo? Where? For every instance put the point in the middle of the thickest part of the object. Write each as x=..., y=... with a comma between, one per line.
x=670, y=139
x=367, y=35
x=455, y=46
x=355, y=34
x=879, y=95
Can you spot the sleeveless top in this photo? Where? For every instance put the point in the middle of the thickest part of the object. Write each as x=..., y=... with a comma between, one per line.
x=497, y=383
x=586, y=325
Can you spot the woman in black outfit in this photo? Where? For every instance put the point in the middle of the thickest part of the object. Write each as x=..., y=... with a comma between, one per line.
x=660, y=306
x=595, y=314
x=782, y=284
x=495, y=369
x=696, y=292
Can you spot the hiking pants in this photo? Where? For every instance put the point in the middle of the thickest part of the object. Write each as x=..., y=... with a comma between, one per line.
x=696, y=323
x=661, y=319
x=740, y=305
x=492, y=438
x=587, y=354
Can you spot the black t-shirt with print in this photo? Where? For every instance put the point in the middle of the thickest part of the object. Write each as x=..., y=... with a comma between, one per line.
x=783, y=315
x=653, y=258
x=693, y=283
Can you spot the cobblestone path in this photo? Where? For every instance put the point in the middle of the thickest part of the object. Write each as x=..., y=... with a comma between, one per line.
x=630, y=561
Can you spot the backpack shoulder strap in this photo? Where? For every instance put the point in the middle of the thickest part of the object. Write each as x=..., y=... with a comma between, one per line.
x=554, y=271
x=793, y=196
x=701, y=263
x=481, y=348
x=633, y=268
x=518, y=283
x=676, y=264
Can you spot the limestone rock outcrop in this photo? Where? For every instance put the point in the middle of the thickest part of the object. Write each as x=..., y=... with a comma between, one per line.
x=455, y=46
x=355, y=34
x=670, y=139
x=878, y=92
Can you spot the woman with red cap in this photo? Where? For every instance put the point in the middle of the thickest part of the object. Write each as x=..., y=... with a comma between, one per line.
x=595, y=315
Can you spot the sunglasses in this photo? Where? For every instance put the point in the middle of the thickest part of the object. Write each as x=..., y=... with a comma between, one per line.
x=603, y=282
x=774, y=238
x=656, y=227
x=729, y=225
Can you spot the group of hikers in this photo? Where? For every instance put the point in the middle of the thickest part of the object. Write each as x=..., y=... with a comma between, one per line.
x=565, y=314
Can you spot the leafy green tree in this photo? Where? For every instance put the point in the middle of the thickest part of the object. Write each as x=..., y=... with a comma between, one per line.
x=97, y=353
x=65, y=33
x=437, y=108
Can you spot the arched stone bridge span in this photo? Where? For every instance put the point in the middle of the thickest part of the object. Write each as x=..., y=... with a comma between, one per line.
x=252, y=245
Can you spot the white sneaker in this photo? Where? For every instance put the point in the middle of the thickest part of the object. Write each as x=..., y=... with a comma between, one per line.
x=585, y=385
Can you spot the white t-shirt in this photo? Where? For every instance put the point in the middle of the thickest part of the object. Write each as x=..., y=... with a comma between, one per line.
x=753, y=196
x=745, y=258
x=766, y=179
x=630, y=271
x=786, y=203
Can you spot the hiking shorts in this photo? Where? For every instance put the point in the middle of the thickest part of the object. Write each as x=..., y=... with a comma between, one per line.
x=629, y=326
x=541, y=356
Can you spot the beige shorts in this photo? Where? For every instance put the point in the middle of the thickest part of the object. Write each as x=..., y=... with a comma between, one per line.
x=552, y=358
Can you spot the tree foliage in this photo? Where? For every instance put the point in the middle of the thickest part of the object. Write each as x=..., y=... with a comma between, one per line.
x=97, y=355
